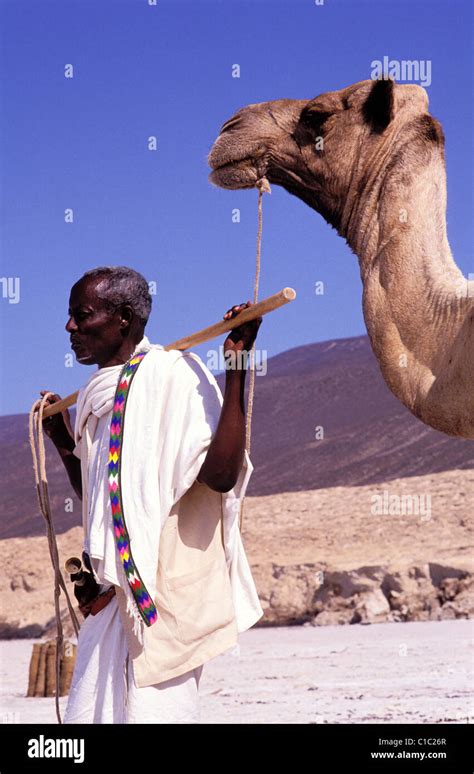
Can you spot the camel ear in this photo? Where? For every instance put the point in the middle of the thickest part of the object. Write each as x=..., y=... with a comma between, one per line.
x=378, y=108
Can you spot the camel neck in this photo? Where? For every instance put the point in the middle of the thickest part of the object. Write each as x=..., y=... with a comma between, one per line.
x=417, y=304
x=363, y=189
x=402, y=227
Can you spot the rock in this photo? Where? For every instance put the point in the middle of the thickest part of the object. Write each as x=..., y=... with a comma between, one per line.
x=30, y=582
x=334, y=618
x=306, y=594
x=373, y=607
x=459, y=594
x=346, y=584
x=448, y=612
x=13, y=630
x=411, y=594
x=449, y=587
x=292, y=589
x=439, y=572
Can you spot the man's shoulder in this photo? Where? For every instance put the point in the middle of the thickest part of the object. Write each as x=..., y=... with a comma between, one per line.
x=189, y=369
x=194, y=365
x=178, y=365
x=160, y=357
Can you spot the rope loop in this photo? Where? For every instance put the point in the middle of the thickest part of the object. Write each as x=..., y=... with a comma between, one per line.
x=36, y=437
x=263, y=185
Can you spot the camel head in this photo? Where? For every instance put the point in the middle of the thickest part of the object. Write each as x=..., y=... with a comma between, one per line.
x=370, y=159
x=320, y=150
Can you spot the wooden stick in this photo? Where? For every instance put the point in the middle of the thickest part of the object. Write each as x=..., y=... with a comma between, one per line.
x=256, y=310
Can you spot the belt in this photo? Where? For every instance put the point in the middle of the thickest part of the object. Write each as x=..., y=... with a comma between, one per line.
x=98, y=603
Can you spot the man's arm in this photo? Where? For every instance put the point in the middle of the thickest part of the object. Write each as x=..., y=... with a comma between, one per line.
x=59, y=431
x=72, y=465
x=225, y=455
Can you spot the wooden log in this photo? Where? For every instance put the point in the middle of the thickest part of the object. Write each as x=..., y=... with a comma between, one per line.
x=33, y=671
x=68, y=661
x=206, y=334
x=50, y=686
x=42, y=670
x=40, y=684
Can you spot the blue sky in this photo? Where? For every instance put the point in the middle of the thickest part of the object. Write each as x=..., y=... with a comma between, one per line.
x=165, y=70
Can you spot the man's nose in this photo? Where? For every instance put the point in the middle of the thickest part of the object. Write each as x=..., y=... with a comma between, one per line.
x=71, y=325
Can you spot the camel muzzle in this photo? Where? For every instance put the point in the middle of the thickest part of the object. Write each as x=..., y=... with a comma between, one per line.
x=235, y=175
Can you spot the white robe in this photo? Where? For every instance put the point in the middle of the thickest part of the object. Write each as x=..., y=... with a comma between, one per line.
x=103, y=689
x=172, y=413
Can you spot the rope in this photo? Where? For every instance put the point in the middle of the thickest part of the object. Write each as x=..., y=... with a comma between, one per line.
x=263, y=187
x=39, y=466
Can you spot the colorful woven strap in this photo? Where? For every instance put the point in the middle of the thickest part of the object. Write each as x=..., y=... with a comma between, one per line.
x=141, y=596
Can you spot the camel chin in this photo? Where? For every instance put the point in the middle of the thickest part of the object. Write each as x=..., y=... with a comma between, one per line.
x=235, y=175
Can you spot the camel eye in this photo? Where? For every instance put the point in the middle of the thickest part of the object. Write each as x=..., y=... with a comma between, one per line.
x=313, y=118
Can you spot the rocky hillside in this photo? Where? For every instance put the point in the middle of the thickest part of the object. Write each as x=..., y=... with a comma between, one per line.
x=397, y=551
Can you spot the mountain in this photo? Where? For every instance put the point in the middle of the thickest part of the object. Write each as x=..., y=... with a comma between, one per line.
x=365, y=436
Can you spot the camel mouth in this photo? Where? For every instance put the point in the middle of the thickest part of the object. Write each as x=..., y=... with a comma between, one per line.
x=234, y=174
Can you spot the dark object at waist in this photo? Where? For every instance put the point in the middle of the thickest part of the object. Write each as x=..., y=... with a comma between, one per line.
x=98, y=603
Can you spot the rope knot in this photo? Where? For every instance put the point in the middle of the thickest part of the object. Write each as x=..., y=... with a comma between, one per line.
x=263, y=185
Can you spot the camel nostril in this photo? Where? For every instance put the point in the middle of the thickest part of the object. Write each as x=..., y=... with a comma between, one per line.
x=229, y=124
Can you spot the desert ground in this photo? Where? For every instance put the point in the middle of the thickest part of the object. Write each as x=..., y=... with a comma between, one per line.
x=379, y=673
x=403, y=581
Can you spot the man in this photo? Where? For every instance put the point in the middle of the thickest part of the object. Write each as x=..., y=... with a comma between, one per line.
x=183, y=472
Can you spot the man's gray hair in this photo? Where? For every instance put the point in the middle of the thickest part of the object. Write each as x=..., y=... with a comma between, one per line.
x=120, y=285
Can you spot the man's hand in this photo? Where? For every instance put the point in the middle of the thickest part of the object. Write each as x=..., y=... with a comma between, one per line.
x=58, y=427
x=243, y=337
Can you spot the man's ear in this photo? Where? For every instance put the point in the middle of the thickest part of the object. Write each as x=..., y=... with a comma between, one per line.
x=378, y=109
x=126, y=316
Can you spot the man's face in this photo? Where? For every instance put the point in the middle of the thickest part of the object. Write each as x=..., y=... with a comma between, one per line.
x=95, y=331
